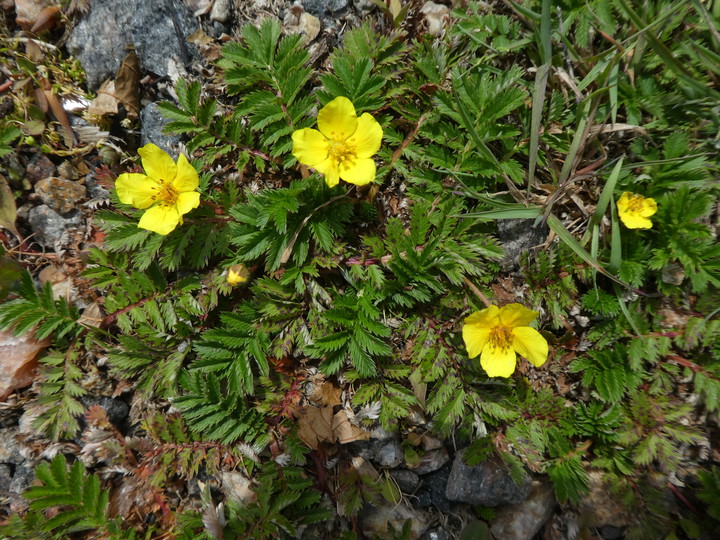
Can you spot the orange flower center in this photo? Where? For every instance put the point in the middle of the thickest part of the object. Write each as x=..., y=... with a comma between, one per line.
x=636, y=203
x=501, y=337
x=166, y=194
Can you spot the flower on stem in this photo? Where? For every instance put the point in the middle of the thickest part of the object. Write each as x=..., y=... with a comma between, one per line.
x=344, y=146
x=237, y=274
x=498, y=334
x=166, y=190
x=634, y=210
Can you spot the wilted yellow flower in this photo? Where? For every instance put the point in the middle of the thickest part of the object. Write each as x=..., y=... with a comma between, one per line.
x=237, y=274
x=497, y=334
x=344, y=146
x=167, y=189
x=634, y=210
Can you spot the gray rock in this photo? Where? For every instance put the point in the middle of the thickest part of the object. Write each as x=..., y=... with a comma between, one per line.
x=221, y=11
x=389, y=454
x=22, y=478
x=5, y=477
x=610, y=532
x=160, y=31
x=116, y=409
x=523, y=521
x=10, y=451
x=50, y=227
x=406, y=480
x=436, y=534
x=383, y=448
x=433, y=488
x=60, y=194
x=157, y=28
x=152, y=123
x=486, y=484
x=516, y=237
x=94, y=189
x=432, y=461
x=321, y=8
x=39, y=167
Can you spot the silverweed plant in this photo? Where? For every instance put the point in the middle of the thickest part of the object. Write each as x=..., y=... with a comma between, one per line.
x=271, y=313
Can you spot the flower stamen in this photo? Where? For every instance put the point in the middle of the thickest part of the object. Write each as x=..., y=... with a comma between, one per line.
x=501, y=337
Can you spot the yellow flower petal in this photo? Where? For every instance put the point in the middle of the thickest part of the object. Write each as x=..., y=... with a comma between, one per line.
x=329, y=168
x=161, y=219
x=337, y=120
x=529, y=343
x=498, y=362
x=186, y=201
x=310, y=147
x=157, y=163
x=187, y=178
x=649, y=208
x=633, y=221
x=136, y=189
x=360, y=172
x=513, y=315
x=485, y=317
x=367, y=136
x=475, y=337
x=624, y=202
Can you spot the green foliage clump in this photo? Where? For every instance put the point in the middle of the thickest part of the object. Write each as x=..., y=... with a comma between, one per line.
x=76, y=496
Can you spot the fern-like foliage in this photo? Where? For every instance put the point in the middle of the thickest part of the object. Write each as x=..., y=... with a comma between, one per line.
x=549, y=275
x=191, y=245
x=38, y=312
x=395, y=400
x=155, y=317
x=269, y=73
x=710, y=492
x=480, y=104
x=608, y=372
x=354, y=333
x=232, y=348
x=284, y=224
x=217, y=135
x=77, y=499
x=59, y=390
x=688, y=243
x=364, y=68
x=436, y=248
x=285, y=502
x=218, y=415
x=653, y=427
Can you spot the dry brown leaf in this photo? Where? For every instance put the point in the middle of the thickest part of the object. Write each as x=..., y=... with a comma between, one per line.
x=17, y=361
x=105, y=103
x=33, y=51
x=28, y=11
x=8, y=209
x=92, y=315
x=127, y=84
x=200, y=38
x=327, y=394
x=345, y=432
x=59, y=113
x=46, y=20
x=315, y=426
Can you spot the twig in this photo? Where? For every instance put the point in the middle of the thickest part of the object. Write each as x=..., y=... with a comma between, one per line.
x=477, y=291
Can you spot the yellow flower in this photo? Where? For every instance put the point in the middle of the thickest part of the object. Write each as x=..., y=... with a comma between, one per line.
x=344, y=146
x=634, y=210
x=237, y=274
x=497, y=334
x=167, y=189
